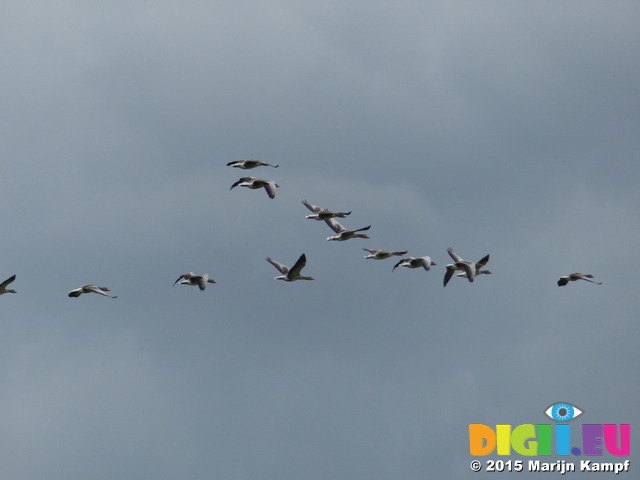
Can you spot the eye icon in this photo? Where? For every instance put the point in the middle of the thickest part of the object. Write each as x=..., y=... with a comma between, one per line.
x=563, y=412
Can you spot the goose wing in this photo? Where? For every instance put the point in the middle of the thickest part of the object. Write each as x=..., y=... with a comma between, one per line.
x=270, y=187
x=185, y=276
x=300, y=263
x=313, y=208
x=7, y=281
x=335, y=226
x=456, y=258
x=284, y=270
x=482, y=262
x=449, y=273
x=401, y=261
x=426, y=262
x=242, y=180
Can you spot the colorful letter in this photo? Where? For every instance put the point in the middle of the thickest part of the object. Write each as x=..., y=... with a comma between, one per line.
x=521, y=435
x=611, y=440
x=503, y=434
x=563, y=438
x=544, y=439
x=478, y=434
x=592, y=439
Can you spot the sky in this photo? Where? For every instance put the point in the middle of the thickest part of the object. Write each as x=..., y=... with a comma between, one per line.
x=501, y=128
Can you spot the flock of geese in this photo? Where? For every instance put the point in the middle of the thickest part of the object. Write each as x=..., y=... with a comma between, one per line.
x=467, y=269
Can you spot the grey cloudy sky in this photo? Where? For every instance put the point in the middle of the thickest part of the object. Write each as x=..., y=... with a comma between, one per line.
x=508, y=128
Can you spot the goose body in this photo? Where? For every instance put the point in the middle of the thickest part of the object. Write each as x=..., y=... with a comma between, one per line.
x=411, y=262
x=291, y=274
x=470, y=269
x=322, y=213
x=90, y=288
x=192, y=279
x=381, y=254
x=255, y=183
x=248, y=164
x=562, y=281
x=344, y=234
x=3, y=285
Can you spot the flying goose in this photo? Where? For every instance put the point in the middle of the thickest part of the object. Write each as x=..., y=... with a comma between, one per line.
x=470, y=269
x=193, y=279
x=254, y=183
x=344, y=234
x=291, y=274
x=410, y=262
x=322, y=213
x=247, y=164
x=3, y=285
x=562, y=281
x=90, y=288
x=381, y=254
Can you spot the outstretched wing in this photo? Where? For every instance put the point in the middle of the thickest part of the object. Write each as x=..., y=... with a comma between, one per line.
x=301, y=262
x=455, y=257
x=282, y=268
x=7, y=281
x=335, y=226
x=313, y=208
x=482, y=262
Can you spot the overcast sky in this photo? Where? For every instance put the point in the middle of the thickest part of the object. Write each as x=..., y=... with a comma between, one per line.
x=501, y=128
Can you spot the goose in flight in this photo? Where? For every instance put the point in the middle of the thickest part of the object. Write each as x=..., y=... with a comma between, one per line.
x=90, y=288
x=322, y=213
x=562, y=281
x=291, y=274
x=470, y=269
x=410, y=262
x=254, y=183
x=3, y=285
x=381, y=254
x=247, y=164
x=193, y=279
x=344, y=234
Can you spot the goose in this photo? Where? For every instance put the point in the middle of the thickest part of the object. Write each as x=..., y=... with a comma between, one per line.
x=90, y=288
x=193, y=279
x=562, y=281
x=254, y=183
x=248, y=164
x=410, y=262
x=381, y=254
x=470, y=269
x=3, y=285
x=322, y=213
x=343, y=233
x=291, y=274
